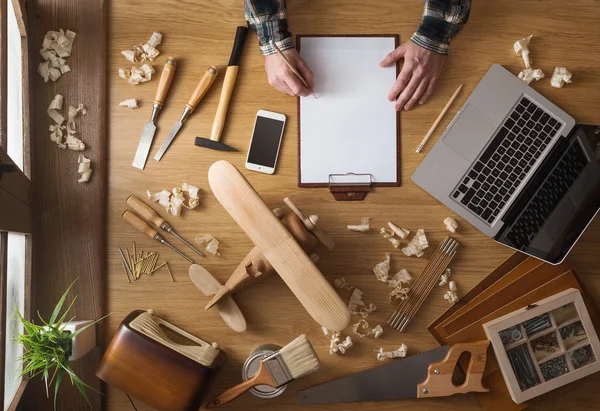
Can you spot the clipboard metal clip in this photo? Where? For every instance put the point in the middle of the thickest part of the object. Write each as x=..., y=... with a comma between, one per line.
x=350, y=186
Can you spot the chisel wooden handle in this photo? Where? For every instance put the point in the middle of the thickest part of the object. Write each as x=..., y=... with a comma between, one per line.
x=203, y=86
x=262, y=377
x=144, y=211
x=165, y=81
x=140, y=224
x=439, y=375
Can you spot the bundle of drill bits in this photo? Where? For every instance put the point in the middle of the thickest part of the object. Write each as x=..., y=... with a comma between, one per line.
x=536, y=324
x=143, y=263
x=522, y=365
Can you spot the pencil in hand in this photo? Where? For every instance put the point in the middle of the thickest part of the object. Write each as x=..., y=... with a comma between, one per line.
x=296, y=73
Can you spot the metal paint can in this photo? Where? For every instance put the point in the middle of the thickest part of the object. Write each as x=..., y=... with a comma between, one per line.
x=251, y=367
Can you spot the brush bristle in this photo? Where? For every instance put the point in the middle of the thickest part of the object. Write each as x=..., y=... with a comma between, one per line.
x=300, y=357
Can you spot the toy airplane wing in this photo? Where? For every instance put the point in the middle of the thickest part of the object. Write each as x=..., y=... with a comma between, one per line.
x=278, y=246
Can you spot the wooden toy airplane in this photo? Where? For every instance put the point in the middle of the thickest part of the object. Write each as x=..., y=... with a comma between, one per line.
x=283, y=242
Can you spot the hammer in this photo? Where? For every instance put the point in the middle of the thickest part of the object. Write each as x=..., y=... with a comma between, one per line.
x=228, y=83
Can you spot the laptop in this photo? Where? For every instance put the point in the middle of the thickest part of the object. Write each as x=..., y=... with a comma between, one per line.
x=517, y=167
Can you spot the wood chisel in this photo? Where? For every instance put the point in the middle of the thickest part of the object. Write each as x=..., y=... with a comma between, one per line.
x=425, y=375
x=201, y=89
x=150, y=215
x=141, y=225
x=226, y=92
x=164, y=84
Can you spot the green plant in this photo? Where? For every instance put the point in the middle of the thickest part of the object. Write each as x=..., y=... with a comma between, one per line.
x=47, y=348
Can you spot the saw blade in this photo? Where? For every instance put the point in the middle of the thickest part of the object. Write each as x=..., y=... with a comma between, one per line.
x=393, y=381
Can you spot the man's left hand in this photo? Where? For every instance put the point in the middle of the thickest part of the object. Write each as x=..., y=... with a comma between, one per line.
x=418, y=77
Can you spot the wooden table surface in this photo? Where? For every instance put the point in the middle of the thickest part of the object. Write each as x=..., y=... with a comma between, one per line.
x=200, y=33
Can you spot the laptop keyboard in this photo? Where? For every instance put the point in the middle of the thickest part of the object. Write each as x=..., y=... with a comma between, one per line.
x=547, y=198
x=495, y=176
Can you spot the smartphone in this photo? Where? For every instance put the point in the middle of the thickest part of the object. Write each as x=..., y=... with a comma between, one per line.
x=266, y=139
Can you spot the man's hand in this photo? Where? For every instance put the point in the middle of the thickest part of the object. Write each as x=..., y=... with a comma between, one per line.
x=283, y=79
x=419, y=75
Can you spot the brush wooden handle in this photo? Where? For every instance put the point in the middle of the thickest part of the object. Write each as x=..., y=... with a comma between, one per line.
x=219, y=121
x=203, y=86
x=262, y=377
x=140, y=224
x=278, y=246
x=164, y=83
x=144, y=211
x=439, y=375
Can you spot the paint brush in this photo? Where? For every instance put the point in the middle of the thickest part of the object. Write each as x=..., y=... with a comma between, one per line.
x=293, y=361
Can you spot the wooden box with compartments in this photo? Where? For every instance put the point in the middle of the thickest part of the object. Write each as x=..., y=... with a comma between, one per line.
x=545, y=345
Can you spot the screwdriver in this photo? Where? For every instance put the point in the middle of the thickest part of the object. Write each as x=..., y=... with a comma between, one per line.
x=141, y=225
x=150, y=215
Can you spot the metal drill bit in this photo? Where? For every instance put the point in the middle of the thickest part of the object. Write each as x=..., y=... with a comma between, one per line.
x=163, y=241
x=170, y=230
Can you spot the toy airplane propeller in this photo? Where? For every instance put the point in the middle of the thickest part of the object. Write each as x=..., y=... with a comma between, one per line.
x=283, y=242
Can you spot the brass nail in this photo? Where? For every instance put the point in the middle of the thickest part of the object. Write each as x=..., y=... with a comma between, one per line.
x=170, y=273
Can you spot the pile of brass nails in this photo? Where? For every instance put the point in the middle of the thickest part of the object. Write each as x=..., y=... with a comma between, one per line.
x=143, y=263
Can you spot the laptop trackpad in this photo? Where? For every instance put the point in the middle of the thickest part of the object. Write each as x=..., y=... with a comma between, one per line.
x=560, y=216
x=470, y=132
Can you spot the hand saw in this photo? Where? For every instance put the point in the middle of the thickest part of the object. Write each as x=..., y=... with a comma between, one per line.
x=424, y=375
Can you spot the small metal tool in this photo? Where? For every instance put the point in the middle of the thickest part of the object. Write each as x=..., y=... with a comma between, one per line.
x=164, y=84
x=126, y=263
x=141, y=225
x=150, y=215
x=201, y=89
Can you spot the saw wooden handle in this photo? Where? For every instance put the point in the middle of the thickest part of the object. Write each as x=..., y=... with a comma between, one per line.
x=203, y=86
x=140, y=224
x=262, y=377
x=164, y=83
x=439, y=375
x=144, y=211
x=278, y=246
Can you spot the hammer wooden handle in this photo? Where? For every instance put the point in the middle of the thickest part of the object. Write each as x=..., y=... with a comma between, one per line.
x=140, y=224
x=228, y=83
x=143, y=210
x=203, y=86
x=165, y=81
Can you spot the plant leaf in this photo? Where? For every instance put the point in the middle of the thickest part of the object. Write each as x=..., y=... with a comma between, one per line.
x=57, y=384
x=60, y=304
x=73, y=335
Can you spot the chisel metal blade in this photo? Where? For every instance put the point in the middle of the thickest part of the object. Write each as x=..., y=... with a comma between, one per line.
x=168, y=141
x=141, y=155
x=396, y=380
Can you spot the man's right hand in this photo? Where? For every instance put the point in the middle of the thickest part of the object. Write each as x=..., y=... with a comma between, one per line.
x=283, y=79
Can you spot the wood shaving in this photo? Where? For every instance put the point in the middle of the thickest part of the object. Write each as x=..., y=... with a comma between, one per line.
x=399, y=231
x=521, y=49
x=377, y=332
x=174, y=200
x=84, y=168
x=56, y=46
x=362, y=323
x=210, y=243
x=390, y=237
x=365, y=311
x=137, y=75
x=129, y=103
x=453, y=287
x=363, y=227
x=342, y=284
x=343, y=347
x=335, y=345
x=398, y=293
x=401, y=277
x=451, y=224
x=355, y=301
x=382, y=269
x=528, y=75
x=386, y=355
x=451, y=297
x=417, y=245
x=444, y=277
x=143, y=52
x=560, y=77
x=57, y=131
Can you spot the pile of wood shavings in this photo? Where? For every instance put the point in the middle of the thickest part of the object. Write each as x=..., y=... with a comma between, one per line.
x=56, y=47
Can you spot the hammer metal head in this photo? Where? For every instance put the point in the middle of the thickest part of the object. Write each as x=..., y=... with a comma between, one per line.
x=214, y=145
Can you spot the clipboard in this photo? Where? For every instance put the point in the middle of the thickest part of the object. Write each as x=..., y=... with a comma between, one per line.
x=349, y=137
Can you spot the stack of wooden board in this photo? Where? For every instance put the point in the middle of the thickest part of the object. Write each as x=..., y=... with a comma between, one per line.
x=516, y=283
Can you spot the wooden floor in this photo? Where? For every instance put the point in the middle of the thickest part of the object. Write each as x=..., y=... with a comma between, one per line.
x=200, y=33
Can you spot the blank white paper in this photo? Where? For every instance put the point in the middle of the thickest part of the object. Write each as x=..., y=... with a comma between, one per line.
x=351, y=127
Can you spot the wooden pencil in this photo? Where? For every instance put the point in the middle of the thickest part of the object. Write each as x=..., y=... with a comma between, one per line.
x=433, y=127
x=289, y=64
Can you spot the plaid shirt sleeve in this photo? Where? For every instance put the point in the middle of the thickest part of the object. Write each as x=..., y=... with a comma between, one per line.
x=268, y=18
x=442, y=19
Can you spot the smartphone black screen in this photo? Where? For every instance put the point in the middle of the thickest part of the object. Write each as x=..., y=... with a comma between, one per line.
x=265, y=142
